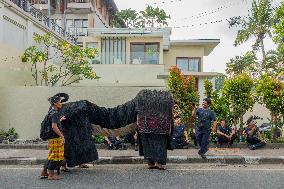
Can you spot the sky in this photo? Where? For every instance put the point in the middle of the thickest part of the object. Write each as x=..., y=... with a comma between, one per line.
x=191, y=16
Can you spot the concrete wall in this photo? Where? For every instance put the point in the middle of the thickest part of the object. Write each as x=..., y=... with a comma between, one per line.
x=98, y=21
x=128, y=74
x=182, y=51
x=25, y=107
x=18, y=27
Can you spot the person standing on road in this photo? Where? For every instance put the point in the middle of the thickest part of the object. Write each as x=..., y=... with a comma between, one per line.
x=56, y=142
x=205, y=117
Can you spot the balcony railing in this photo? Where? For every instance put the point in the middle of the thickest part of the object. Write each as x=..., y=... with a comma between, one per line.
x=79, y=1
x=118, y=58
x=38, y=1
x=40, y=16
x=80, y=6
x=78, y=31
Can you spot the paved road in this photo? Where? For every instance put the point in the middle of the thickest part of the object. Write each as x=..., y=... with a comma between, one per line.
x=136, y=176
x=6, y=153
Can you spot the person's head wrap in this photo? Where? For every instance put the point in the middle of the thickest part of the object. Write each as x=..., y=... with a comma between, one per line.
x=251, y=120
x=62, y=97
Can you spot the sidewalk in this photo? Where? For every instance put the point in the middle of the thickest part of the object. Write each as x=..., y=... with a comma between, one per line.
x=214, y=155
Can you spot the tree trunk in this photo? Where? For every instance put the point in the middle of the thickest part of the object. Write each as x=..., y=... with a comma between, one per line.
x=274, y=126
x=263, y=51
x=44, y=68
x=242, y=122
x=36, y=75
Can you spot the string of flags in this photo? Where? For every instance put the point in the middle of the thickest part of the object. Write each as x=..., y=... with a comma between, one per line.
x=206, y=13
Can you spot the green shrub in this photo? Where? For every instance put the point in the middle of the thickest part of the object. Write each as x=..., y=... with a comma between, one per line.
x=10, y=133
x=98, y=139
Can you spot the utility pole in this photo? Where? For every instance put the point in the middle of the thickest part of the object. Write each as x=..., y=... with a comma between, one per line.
x=48, y=7
x=64, y=15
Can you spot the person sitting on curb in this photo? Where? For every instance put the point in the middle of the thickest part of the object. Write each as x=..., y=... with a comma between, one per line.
x=252, y=134
x=225, y=135
x=114, y=143
x=131, y=137
x=180, y=135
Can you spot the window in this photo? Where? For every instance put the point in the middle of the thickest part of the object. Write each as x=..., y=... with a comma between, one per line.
x=113, y=50
x=96, y=60
x=187, y=64
x=81, y=27
x=70, y=26
x=144, y=53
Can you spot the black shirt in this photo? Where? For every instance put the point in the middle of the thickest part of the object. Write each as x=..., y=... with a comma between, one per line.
x=55, y=118
x=226, y=130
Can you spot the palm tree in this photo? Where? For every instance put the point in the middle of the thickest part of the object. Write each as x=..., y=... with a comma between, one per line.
x=274, y=64
x=257, y=25
x=242, y=64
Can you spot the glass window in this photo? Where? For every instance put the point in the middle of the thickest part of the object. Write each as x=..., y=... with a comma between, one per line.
x=152, y=54
x=81, y=26
x=96, y=60
x=193, y=64
x=182, y=64
x=137, y=53
x=113, y=50
x=144, y=53
x=188, y=64
x=69, y=26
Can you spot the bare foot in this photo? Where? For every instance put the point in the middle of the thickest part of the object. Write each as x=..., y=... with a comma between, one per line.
x=152, y=167
x=54, y=177
x=160, y=167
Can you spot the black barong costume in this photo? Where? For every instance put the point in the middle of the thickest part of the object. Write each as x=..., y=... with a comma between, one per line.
x=80, y=148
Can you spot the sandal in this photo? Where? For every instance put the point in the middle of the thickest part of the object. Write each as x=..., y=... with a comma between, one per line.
x=65, y=169
x=43, y=175
x=83, y=166
x=162, y=168
x=152, y=167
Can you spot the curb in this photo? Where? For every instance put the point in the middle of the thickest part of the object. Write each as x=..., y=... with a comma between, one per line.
x=103, y=146
x=251, y=160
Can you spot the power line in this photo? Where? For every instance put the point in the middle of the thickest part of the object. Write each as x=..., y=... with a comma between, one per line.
x=164, y=2
x=206, y=13
x=205, y=23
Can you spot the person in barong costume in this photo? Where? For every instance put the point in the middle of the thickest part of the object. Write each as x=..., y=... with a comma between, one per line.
x=83, y=116
x=154, y=124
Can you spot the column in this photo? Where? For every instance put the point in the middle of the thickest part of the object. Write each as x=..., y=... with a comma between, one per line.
x=1, y=22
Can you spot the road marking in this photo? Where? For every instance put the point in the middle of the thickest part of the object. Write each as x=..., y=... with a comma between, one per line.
x=169, y=169
x=229, y=169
